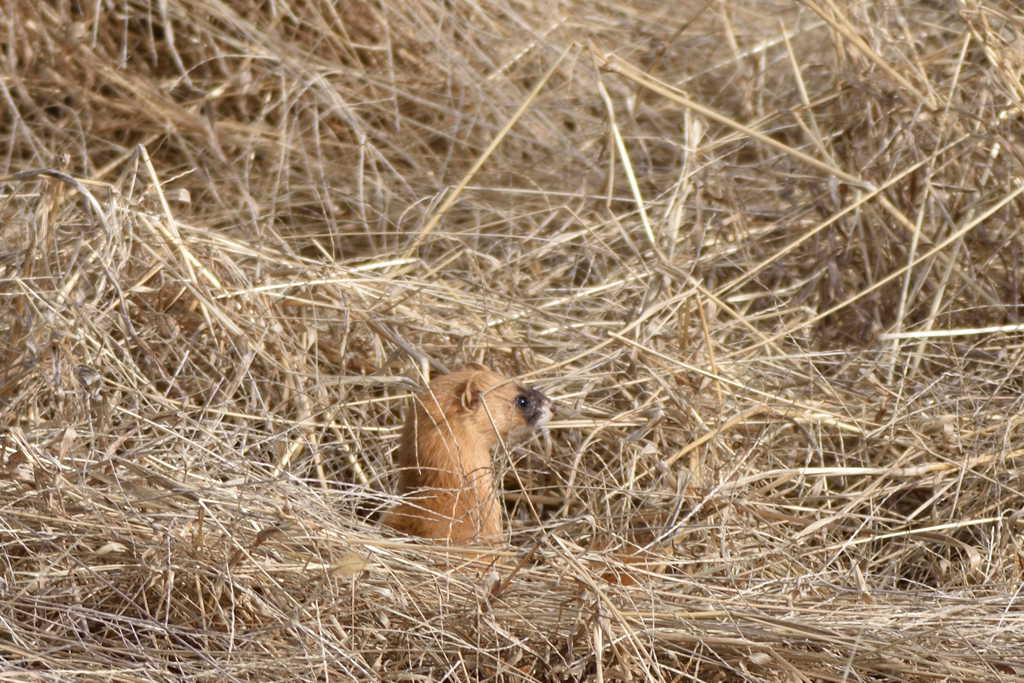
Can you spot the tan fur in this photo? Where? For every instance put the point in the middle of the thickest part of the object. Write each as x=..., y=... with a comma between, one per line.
x=445, y=454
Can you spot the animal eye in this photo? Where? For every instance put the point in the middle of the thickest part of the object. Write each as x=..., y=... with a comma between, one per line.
x=522, y=401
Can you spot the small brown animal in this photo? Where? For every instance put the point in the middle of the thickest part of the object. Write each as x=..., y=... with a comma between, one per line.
x=445, y=454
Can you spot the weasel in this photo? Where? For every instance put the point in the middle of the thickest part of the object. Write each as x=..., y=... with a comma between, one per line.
x=445, y=454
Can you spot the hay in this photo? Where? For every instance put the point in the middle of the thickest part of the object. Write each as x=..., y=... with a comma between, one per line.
x=766, y=256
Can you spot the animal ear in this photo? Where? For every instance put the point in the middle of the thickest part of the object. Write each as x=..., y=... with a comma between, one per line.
x=479, y=367
x=470, y=394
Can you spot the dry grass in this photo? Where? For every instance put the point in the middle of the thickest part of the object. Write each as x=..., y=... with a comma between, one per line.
x=766, y=256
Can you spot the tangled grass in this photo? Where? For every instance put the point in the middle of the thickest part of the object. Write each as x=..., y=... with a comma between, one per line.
x=766, y=256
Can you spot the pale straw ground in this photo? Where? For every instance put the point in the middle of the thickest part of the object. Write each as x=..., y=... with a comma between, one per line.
x=766, y=256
